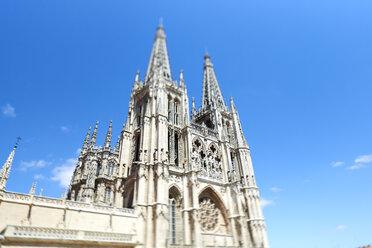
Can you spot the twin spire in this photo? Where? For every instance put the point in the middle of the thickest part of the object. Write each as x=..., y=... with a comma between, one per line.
x=212, y=96
x=159, y=65
x=159, y=61
x=90, y=142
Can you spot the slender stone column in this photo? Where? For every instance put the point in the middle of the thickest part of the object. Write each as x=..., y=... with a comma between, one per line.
x=162, y=222
x=150, y=200
x=243, y=225
x=195, y=212
x=186, y=209
x=140, y=206
x=231, y=217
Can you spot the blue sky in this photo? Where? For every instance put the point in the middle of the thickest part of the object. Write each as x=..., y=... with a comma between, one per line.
x=300, y=73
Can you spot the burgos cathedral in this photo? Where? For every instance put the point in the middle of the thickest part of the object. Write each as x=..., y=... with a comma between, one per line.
x=173, y=179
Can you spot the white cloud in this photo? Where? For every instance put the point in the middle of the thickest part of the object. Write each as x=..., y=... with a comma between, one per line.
x=38, y=177
x=265, y=202
x=63, y=173
x=341, y=227
x=364, y=159
x=77, y=153
x=65, y=129
x=34, y=164
x=275, y=189
x=337, y=164
x=8, y=110
x=356, y=167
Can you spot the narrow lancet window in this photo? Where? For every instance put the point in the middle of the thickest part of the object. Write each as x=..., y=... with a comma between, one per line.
x=110, y=169
x=107, y=194
x=232, y=161
x=176, y=149
x=137, y=156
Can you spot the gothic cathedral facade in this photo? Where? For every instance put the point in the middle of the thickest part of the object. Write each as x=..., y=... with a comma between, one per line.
x=187, y=176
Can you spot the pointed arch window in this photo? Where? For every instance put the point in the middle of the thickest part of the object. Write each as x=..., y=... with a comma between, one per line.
x=176, y=149
x=232, y=161
x=139, y=113
x=98, y=169
x=169, y=110
x=137, y=154
x=76, y=195
x=212, y=213
x=173, y=220
x=107, y=194
x=175, y=108
x=110, y=169
x=169, y=145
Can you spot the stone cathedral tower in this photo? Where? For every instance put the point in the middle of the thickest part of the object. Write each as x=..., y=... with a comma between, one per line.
x=188, y=177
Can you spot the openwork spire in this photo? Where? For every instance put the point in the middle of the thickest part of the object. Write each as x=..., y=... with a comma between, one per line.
x=117, y=146
x=108, y=137
x=240, y=139
x=212, y=97
x=86, y=141
x=159, y=61
x=5, y=170
x=94, y=136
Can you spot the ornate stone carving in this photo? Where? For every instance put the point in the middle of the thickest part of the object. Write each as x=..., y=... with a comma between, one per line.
x=198, y=155
x=209, y=215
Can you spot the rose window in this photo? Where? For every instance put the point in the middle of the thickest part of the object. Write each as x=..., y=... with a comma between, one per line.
x=209, y=215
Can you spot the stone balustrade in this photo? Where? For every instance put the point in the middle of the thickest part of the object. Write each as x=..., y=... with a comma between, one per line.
x=203, y=130
x=31, y=199
x=19, y=233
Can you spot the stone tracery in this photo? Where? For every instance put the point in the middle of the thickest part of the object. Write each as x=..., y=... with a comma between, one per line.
x=210, y=163
x=198, y=155
x=209, y=215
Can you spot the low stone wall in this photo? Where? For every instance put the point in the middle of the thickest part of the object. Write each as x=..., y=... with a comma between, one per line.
x=30, y=219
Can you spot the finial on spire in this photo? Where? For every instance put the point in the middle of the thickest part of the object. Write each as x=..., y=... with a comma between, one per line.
x=232, y=104
x=207, y=60
x=94, y=136
x=160, y=31
x=160, y=22
x=182, y=82
x=32, y=189
x=117, y=146
x=107, y=144
x=206, y=56
x=17, y=142
x=137, y=76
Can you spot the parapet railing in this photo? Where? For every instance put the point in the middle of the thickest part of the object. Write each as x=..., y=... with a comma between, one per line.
x=203, y=130
x=28, y=232
x=63, y=203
